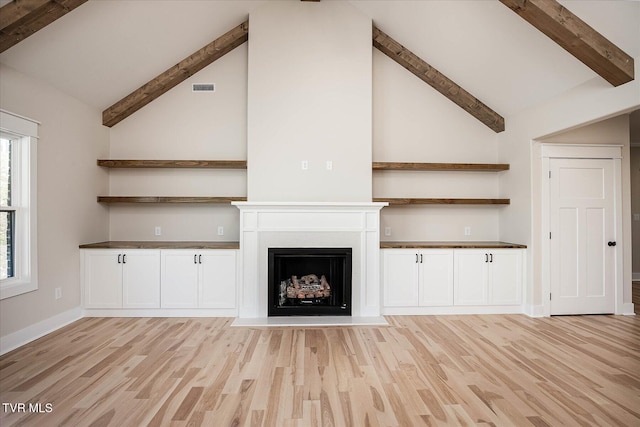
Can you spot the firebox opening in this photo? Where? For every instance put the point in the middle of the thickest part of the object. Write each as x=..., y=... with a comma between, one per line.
x=309, y=281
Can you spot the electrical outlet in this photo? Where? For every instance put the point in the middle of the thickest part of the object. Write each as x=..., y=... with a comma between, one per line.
x=467, y=231
x=58, y=293
x=387, y=231
x=220, y=230
x=329, y=165
x=305, y=165
x=158, y=230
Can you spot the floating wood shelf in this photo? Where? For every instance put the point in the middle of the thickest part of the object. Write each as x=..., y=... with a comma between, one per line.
x=421, y=201
x=470, y=167
x=193, y=164
x=168, y=199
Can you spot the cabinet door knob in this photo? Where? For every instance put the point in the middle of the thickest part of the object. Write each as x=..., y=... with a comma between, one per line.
x=490, y=257
x=200, y=259
x=416, y=258
x=119, y=255
x=611, y=243
x=486, y=257
x=124, y=258
x=195, y=258
x=420, y=258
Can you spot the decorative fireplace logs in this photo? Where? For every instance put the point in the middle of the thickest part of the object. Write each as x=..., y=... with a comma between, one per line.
x=309, y=281
x=308, y=286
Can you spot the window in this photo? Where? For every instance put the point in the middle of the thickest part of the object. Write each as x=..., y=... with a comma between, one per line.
x=18, y=268
x=7, y=211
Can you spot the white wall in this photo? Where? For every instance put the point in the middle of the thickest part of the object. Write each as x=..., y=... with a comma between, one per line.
x=591, y=102
x=71, y=138
x=309, y=90
x=412, y=122
x=182, y=124
x=408, y=121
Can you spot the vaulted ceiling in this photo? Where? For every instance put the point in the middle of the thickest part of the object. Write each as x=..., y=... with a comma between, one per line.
x=104, y=50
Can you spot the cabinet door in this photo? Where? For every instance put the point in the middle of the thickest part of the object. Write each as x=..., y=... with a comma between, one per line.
x=505, y=277
x=141, y=279
x=470, y=277
x=179, y=279
x=436, y=277
x=217, y=284
x=400, y=277
x=102, y=279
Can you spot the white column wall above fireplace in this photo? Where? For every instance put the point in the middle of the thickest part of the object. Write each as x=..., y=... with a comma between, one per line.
x=309, y=98
x=273, y=225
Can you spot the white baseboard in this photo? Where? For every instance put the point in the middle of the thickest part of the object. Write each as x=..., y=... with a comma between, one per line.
x=534, y=310
x=37, y=330
x=628, y=309
x=160, y=312
x=635, y=276
x=453, y=310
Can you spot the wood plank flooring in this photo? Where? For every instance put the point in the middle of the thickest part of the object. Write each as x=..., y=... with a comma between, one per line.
x=501, y=370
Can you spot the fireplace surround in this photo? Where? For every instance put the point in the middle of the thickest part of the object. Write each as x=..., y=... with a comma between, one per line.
x=265, y=225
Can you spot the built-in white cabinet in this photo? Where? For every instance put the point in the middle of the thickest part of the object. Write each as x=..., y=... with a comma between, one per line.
x=159, y=278
x=441, y=278
x=115, y=278
x=417, y=277
x=198, y=278
x=487, y=276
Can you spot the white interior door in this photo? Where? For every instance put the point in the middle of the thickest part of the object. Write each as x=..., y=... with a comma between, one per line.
x=582, y=224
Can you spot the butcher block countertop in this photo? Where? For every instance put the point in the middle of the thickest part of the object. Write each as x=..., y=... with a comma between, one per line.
x=160, y=245
x=450, y=245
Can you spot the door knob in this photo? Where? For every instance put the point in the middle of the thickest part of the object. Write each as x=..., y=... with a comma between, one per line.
x=611, y=243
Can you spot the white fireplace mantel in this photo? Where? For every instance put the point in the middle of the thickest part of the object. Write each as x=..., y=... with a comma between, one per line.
x=265, y=225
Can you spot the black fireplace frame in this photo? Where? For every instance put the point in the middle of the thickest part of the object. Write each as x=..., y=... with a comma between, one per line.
x=340, y=300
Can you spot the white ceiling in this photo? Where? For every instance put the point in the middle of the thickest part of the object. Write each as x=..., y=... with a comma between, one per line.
x=104, y=50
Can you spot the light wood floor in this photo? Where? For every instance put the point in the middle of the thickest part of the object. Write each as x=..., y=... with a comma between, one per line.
x=503, y=370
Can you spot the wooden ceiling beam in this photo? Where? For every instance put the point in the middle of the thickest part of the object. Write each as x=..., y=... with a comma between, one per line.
x=577, y=38
x=175, y=75
x=437, y=80
x=18, y=9
x=22, y=18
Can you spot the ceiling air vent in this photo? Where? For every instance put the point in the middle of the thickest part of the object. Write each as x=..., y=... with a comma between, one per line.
x=203, y=87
